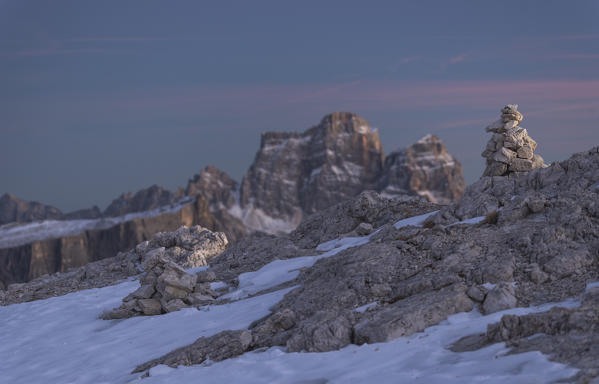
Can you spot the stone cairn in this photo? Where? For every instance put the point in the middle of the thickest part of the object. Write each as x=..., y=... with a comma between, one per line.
x=166, y=286
x=510, y=152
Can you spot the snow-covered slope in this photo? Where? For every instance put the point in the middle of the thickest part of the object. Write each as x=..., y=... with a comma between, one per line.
x=62, y=340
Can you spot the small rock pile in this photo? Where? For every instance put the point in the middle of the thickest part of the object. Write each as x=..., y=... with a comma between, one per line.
x=165, y=287
x=188, y=247
x=510, y=151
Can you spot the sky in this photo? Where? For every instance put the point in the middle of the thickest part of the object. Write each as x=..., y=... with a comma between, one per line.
x=98, y=98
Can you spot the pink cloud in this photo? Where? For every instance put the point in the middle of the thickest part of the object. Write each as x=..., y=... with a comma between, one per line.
x=407, y=60
x=453, y=60
x=457, y=59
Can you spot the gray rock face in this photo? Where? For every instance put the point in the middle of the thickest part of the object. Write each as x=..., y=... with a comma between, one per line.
x=500, y=298
x=215, y=185
x=13, y=209
x=143, y=200
x=425, y=168
x=412, y=314
x=84, y=214
x=367, y=208
x=295, y=175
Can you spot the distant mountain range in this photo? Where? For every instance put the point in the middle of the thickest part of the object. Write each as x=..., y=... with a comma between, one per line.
x=293, y=175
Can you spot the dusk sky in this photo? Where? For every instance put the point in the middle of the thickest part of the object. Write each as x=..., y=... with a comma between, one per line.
x=103, y=97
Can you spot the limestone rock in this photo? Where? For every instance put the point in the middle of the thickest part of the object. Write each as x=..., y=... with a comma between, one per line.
x=364, y=229
x=425, y=168
x=143, y=200
x=150, y=307
x=219, y=347
x=500, y=298
x=411, y=315
x=324, y=331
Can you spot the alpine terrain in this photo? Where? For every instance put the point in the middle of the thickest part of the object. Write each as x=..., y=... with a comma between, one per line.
x=385, y=285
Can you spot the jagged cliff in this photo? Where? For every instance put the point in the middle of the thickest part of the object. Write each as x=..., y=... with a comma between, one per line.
x=296, y=174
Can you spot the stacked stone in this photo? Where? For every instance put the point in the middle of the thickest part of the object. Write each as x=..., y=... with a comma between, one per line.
x=510, y=151
x=165, y=287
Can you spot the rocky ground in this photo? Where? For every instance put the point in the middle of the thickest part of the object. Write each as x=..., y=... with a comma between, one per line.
x=530, y=239
x=190, y=247
x=377, y=273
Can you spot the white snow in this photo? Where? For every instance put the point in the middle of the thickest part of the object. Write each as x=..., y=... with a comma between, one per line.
x=218, y=285
x=61, y=340
x=315, y=172
x=592, y=285
x=425, y=139
x=363, y=129
x=365, y=307
x=415, y=220
x=490, y=286
x=420, y=358
x=474, y=220
x=12, y=235
x=197, y=269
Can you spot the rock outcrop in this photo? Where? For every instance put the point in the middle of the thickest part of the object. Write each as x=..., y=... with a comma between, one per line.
x=295, y=175
x=510, y=151
x=425, y=168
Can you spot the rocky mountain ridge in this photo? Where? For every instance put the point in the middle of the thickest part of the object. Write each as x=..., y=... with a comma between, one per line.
x=293, y=174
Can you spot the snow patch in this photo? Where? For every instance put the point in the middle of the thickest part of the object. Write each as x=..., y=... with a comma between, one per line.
x=591, y=286
x=61, y=340
x=363, y=308
x=474, y=220
x=218, y=285
x=415, y=221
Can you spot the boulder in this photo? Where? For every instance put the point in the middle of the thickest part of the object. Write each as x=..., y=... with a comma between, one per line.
x=500, y=298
